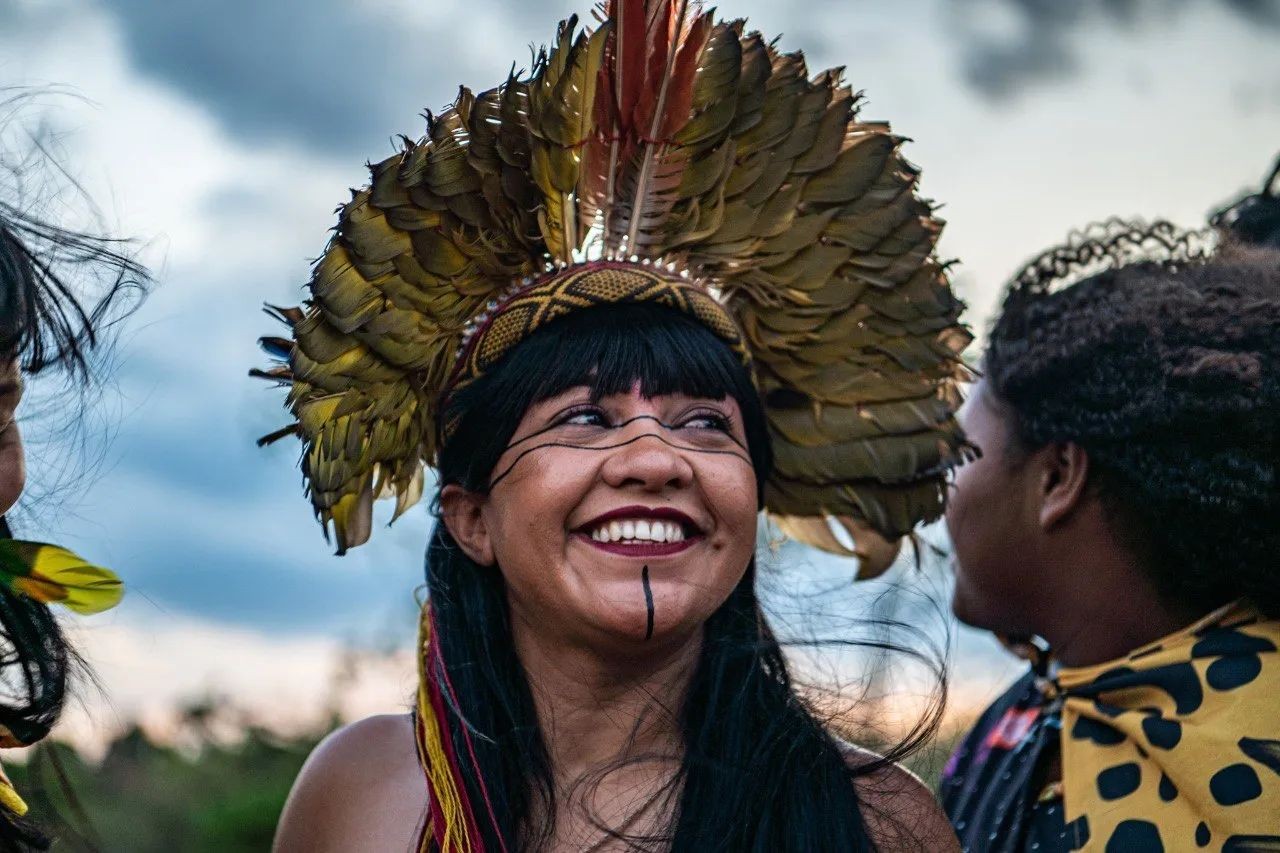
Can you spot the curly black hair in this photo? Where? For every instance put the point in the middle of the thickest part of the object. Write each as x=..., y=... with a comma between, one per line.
x=1159, y=354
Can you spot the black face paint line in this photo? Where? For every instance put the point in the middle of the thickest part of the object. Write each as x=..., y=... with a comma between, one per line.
x=648, y=603
x=666, y=426
x=506, y=471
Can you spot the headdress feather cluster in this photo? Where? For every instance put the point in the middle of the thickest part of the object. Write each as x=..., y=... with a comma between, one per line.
x=666, y=156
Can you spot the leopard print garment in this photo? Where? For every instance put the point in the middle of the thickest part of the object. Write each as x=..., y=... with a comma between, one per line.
x=1177, y=745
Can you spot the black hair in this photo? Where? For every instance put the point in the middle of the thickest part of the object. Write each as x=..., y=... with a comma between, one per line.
x=60, y=291
x=760, y=772
x=1160, y=357
x=34, y=662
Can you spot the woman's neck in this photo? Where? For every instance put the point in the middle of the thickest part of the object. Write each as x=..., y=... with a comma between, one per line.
x=596, y=710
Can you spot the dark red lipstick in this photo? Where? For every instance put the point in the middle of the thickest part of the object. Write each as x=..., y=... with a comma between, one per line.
x=645, y=549
x=664, y=513
x=692, y=531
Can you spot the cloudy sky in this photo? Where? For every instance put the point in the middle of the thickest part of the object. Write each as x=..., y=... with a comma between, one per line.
x=224, y=134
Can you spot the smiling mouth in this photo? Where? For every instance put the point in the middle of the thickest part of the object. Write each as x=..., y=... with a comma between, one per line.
x=641, y=532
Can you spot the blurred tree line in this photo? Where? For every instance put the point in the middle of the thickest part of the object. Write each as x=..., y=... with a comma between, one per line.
x=219, y=779
x=146, y=796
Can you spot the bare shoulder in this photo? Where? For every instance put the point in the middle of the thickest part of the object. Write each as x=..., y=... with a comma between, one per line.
x=899, y=810
x=361, y=789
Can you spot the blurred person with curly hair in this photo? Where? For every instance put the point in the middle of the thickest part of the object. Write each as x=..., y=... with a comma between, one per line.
x=1122, y=530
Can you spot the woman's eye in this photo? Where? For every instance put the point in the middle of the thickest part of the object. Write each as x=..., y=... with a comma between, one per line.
x=584, y=417
x=706, y=420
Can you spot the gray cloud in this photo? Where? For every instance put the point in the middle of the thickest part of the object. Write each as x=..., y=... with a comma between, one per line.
x=1042, y=44
x=998, y=69
x=332, y=75
x=340, y=78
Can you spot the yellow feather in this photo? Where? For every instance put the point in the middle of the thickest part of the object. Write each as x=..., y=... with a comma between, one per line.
x=53, y=575
x=874, y=552
x=9, y=799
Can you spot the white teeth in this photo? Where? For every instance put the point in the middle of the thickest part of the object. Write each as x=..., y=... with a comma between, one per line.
x=639, y=530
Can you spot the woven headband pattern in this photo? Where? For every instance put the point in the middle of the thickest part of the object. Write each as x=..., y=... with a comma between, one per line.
x=579, y=288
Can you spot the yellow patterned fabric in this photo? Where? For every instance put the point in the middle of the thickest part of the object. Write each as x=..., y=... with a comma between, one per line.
x=736, y=184
x=1177, y=745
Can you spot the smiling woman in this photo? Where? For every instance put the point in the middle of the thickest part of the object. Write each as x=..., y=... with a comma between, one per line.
x=622, y=305
x=651, y=415
x=602, y=662
x=636, y=431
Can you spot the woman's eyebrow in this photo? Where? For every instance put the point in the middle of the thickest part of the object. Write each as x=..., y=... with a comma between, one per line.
x=557, y=405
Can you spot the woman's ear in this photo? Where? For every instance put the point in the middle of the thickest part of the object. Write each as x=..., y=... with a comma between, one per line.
x=1065, y=474
x=461, y=511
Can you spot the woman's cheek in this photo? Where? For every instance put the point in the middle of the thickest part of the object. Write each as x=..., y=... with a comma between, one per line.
x=740, y=487
x=985, y=547
x=733, y=501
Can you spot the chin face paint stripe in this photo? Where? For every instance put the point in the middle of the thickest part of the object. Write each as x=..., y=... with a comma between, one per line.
x=648, y=603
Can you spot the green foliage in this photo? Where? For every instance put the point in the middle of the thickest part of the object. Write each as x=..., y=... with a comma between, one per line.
x=147, y=797
x=214, y=797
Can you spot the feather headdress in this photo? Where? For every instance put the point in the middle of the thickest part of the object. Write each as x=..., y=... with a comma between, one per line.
x=661, y=156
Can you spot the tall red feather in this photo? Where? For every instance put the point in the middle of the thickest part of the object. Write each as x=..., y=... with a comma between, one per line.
x=646, y=98
x=631, y=39
x=679, y=101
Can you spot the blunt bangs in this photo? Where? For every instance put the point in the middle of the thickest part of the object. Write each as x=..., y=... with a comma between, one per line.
x=608, y=350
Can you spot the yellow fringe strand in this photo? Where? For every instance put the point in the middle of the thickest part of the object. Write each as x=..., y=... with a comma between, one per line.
x=435, y=763
x=9, y=798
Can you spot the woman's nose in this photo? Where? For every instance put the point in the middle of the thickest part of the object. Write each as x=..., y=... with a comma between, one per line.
x=648, y=462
